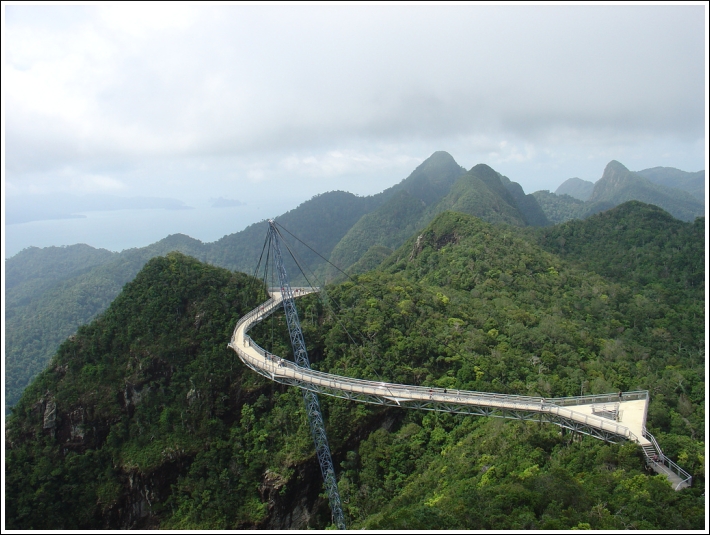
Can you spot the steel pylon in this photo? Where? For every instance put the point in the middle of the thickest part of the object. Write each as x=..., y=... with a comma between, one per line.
x=315, y=417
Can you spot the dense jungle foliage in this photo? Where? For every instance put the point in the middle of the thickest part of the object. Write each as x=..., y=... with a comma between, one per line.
x=51, y=292
x=146, y=419
x=560, y=207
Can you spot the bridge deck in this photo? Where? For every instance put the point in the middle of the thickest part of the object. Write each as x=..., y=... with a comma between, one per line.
x=630, y=408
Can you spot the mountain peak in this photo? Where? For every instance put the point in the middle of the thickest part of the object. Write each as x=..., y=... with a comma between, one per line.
x=431, y=180
x=618, y=185
x=577, y=188
x=440, y=156
x=440, y=160
x=615, y=167
x=483, y=168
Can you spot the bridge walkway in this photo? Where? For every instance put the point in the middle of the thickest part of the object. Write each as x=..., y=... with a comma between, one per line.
x=610, y=417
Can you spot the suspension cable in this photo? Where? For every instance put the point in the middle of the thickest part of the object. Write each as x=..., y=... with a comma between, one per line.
x=325, y=302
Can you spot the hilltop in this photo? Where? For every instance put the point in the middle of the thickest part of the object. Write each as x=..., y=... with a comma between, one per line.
x=337, y=224
x=71, y=285
x=145, y=419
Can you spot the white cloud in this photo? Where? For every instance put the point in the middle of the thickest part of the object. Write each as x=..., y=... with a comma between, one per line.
x=142, y=19
x=281, y=99
x=256, y=174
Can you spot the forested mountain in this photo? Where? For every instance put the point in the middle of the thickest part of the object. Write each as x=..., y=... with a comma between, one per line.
x=50, y=292
x=482, y=192
x=636, y=243
x=53, y=291
x=403, y=211
x=577, y=188
x=324, y=220
x=526, y=204
x=618, y=185
x=560, y=207
x=146, y=419
x=670, y=177
x=679, y=193
x=34, y=266
x=60, y=295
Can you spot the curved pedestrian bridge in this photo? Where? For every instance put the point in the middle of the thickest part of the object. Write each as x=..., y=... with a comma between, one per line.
x=609, y=417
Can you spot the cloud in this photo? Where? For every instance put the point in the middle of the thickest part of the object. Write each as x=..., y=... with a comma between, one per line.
x=336, y=163
x=285, y=101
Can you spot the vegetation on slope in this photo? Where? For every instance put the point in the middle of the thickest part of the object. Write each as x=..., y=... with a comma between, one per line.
x=401, y=214
x=324, y=219
x=56, y=296
x=158, y=424
x=49, y=293
x=146, y=419
x=53, y=291
x=481, y=192
x=34, y=266
x=618, y=185
x=693, y=183
x=560, y=208
x=474, y=307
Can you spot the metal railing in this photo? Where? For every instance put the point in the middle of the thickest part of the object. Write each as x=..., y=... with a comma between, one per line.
x=277, y=368
x=273, y=366
x=601, y=398
x=686, y=478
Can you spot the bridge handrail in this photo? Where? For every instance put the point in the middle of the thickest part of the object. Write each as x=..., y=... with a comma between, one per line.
x=261, y=309
x=663, y=459
x=265, y=307
x=601, y=398
x=408, y=391
x=564, y=401
x=529, y=403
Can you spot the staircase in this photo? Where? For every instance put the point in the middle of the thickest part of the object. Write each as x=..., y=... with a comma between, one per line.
x=661, y=464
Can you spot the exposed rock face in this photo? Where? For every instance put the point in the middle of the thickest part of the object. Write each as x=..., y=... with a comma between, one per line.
x=133, y=393
x=296, y=505
x=76, y=425
x=50, y=415
x=417, y=247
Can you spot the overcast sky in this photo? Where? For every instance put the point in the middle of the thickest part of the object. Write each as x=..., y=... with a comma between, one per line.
x=226, y=106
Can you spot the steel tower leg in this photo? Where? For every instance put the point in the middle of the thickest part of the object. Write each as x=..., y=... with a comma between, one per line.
x=315, y=418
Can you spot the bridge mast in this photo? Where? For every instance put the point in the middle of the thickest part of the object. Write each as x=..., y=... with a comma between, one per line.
x=315, y=418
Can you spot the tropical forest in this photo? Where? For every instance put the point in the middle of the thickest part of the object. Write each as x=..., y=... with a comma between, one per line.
x=126, y=409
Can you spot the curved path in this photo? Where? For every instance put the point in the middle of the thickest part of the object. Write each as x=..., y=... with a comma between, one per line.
x=608, y=417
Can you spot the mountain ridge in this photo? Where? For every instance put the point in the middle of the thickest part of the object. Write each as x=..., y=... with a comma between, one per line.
x=339, y=225
x=145, y=419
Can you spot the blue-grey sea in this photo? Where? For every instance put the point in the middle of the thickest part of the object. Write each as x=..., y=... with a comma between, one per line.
x=117, y=230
